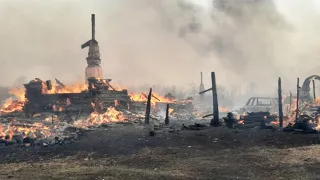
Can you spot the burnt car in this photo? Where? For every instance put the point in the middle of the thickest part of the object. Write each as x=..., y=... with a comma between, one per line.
x=259, y=109
x=260, y=104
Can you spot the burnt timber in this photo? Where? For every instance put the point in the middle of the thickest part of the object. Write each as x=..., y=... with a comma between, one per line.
x=98, y=97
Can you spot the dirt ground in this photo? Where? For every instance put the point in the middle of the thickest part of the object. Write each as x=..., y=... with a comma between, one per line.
x=127, y=152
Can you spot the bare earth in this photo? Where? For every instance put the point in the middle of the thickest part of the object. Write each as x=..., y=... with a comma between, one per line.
x=127, y=152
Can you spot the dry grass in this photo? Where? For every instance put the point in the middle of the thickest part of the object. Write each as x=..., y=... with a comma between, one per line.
x=175, y=163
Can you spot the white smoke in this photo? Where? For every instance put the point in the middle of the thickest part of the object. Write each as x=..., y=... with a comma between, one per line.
x=164, y=42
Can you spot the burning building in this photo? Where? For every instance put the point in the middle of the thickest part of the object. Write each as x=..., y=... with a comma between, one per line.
x=95, y=95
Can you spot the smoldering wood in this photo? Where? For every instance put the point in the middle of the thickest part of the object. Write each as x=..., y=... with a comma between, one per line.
x=148, y=108
x=107, y=82
x=155, y=97
x=166, y=121
x=40, y=102
x=49, y=85
x=144, y=95
x=215, y=120
x=60, y=83
x=297, y=108
x=280, y=103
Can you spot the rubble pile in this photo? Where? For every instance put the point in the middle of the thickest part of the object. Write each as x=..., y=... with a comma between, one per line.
x=61, y=114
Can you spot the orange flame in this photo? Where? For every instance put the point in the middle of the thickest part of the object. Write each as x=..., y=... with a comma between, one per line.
x=221, y=109
x=36, y=130
x=171, y=110
x=111, y=115
x=141, y=97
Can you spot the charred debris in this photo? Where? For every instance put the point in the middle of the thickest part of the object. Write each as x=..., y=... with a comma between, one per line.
x=102, y=104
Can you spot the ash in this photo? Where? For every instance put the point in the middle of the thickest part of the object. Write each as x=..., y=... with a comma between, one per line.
x=46, y=129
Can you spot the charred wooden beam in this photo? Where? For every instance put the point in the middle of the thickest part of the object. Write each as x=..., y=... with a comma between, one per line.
x=215, y=120
x=148, y=108
x=49, y=85
x=207, y=115
x=93, y=27
x=314, y=90
x=110, y=85
x=60, y=83
x=205, y=91
x=280, y=103
x=166, y=121
x=298, y=91
x=290, y=100
x=151, y=128
x=155, y=97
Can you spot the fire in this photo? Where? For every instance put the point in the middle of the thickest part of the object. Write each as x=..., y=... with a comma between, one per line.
x=141, y=97
x=116, y=103
x=221, y=109
x=55, y=108
x=171, y=110
x=36, y=130
x=138, y=97
x=19, y=93
x=74, y=88
x=240, y=122
x=11, y=105
x=111, y=115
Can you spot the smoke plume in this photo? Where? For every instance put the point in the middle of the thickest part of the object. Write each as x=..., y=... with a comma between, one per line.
x=164, y=42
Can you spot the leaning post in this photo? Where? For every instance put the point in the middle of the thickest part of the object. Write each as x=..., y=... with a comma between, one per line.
x=166, y=121
x=280, y=103
x=314, y=90
x=148, y=108
x=297, y=105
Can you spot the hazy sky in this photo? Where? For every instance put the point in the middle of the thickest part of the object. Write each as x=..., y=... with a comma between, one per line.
x=140, y=42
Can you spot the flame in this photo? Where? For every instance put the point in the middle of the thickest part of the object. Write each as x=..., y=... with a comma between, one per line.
x=171, y=110
x=240, y=122
x=141, y=97
x=11, y=105
x=36, y=130
x=221, y=109
x=73, y=88
x=111, y=115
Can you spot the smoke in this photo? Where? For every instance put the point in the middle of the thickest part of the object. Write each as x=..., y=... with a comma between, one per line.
x=165, y=42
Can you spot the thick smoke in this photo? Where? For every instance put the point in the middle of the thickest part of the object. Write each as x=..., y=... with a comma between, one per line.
x=164, y=42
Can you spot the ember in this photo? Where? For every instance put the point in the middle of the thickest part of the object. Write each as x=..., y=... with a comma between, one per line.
x=35, y=130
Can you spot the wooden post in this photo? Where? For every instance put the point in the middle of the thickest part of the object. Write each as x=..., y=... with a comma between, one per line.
x=151, y=128
x=290, y=100
x=201, y=89
x=298, y=91
x=280, y=103
x=148, y=108
x=215, y=120
x=314, y=90
x=166, y=121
